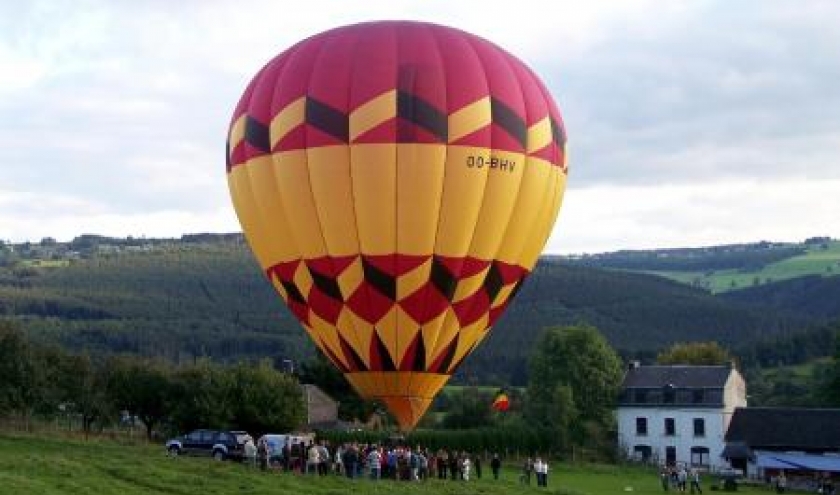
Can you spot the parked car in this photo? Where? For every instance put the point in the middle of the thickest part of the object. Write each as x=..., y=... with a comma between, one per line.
x=219, y=444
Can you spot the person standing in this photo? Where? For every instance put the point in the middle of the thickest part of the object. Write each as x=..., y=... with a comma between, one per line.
x=466, y=465
x=682, y=477
x=453, y=465
x=495, y=466
x=665, y=478
x=323, y=458
x=541, y=470
x=287, y=455
x=263, y=453
x=374, y=462
x=695, y=480
x=781, y=482
x=477, y=466
x=250, y=452
x=442, y=463
x=527, y=466
x=350, y=455
x=313, y=459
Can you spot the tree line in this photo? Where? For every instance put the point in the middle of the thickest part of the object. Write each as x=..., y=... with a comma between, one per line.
x=744, y=257
x=41, y=382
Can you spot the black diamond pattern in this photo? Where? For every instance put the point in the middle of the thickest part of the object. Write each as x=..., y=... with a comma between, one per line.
x=327, y=285
x=444, y=281
x=381, y=281
x=493, y=283
x=293, y=292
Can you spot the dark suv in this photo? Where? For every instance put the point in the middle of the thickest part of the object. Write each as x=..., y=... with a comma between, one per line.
x=220, y=444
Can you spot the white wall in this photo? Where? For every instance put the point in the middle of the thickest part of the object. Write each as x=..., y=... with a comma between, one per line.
x=683, y=439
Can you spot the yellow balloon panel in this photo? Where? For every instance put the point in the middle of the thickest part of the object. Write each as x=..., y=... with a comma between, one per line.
x=374, y=179
x=329, y=175
x=463, y=191
x=530, y=200
x=420, y=180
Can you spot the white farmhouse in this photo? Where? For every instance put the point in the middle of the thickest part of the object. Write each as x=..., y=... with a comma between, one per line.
x=678, y=414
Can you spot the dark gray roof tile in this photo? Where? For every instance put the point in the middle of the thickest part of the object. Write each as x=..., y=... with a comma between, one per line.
x=680, y=376
x=786, y=427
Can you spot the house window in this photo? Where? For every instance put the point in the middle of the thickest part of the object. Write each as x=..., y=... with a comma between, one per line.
x=670, y=427
x=642, y=452
x=700, y=456
x=697, y=396
x=670, y=455
x=654, y=396
x=699, y=427
x=641, y=427
x=669, y=393
x=640, y=395
x=714, y=396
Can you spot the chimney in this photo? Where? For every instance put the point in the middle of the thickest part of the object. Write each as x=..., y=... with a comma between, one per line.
x=632, y=365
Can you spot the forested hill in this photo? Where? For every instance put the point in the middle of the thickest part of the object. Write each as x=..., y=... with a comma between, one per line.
x=205, y=295
x=814, y=295
x=636, y=312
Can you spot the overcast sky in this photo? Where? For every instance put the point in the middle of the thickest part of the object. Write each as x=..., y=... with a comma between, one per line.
x=689, y=123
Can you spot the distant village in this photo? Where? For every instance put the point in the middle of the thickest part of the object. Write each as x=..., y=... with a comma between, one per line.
x=50, y=252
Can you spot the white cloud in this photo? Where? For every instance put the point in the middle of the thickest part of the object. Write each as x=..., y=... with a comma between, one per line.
x=607, y=218
x=66, y=217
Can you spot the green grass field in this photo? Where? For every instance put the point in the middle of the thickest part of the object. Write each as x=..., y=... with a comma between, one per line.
x=36, y=464
x=816, y=261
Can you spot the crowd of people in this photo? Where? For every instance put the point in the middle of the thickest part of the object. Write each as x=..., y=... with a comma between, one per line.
x=355, y=460
x=679, y=478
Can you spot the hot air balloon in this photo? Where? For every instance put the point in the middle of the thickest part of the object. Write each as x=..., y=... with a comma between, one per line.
x=396, y=181
x=501, y=402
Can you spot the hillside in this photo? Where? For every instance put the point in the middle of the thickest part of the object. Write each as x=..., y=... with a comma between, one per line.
x=812, y=294
x=730, y=267
x=205, y=296
x=636, y=312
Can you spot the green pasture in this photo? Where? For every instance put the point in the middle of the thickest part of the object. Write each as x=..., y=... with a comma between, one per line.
x=37, y=464
x=816, y=261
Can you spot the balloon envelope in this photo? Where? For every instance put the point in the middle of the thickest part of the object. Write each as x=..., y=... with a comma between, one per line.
x=396, y=181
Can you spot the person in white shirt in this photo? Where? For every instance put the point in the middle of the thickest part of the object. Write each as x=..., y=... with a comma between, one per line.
x=465, y=468
x=250, y=452
x=541, y=470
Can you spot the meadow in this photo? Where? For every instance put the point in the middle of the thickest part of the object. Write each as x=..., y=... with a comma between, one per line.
x=815, y=261
x=36, y=464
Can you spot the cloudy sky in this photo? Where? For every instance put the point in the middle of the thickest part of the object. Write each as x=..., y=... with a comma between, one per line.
x=690, y=123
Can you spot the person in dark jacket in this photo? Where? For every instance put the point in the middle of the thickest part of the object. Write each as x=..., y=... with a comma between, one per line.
x=495, y=466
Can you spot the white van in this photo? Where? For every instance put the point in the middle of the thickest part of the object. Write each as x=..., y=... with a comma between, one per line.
x=276, y=441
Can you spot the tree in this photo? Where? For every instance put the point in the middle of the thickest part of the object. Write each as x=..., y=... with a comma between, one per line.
x=23, y=381
x=695, y=353
x=831, y=389
x=83, y=387
x=468, y=409
x=575, y=377
x=263, y=400
x=141, y=387
x=199, y=393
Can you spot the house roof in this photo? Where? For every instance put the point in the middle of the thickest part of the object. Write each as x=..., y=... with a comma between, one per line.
x=679, y=376
x=786, y=427
x=797, y=461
